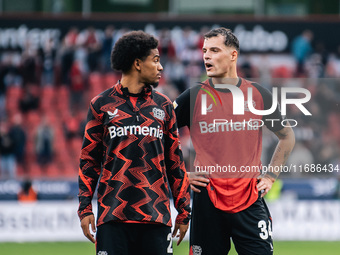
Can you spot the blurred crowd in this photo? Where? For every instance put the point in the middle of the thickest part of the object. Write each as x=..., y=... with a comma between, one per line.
x=45, y=92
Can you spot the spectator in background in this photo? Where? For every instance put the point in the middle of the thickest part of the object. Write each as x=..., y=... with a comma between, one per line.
x=301, y=155
x=47, y=55
x=7, y=152
x=301, y=49
x=77, y=77
x=71, y=128
x=19, y=139
x=333, y=64
x=329, y=149
x=175, y=73
x=321, y=57
x=92, y=43
x=107, y=47
x=29, y=64
x=44, y=143
x=9, y=69
x=82, y=122
x=184, y=39
x=9, y=76
x=27, y=193
x=30, y=99
x=200, y=40
x=246, y=68
x=119, y=34
x=71, y=37
x=3, y=89
x=337, y=62
x=166, y=47
x=325, y=98
x=67, y=54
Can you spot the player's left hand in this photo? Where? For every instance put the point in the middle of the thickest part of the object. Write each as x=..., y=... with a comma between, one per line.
x=85, y=225
x=182, y=231
x=265, y=184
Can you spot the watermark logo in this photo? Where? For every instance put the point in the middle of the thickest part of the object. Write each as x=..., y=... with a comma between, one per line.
x=240, y=105
x=206, y=109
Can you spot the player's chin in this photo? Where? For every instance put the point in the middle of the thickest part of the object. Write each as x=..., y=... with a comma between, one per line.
x=154, y=83
x=210, y=74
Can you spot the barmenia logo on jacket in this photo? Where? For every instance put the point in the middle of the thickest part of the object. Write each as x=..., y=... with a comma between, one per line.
x=136, y=130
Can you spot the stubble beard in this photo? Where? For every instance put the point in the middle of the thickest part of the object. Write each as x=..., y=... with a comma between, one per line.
x=153, y=84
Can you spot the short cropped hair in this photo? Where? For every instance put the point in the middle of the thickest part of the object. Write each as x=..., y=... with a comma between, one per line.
x=230, y=39
x=132, y=45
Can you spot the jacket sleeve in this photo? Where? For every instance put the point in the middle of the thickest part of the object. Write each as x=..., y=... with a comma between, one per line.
x=177, y=175
x=184, y=106
x=91, y=158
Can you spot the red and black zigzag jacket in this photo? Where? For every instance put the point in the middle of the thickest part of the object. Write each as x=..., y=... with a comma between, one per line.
x=133, y=150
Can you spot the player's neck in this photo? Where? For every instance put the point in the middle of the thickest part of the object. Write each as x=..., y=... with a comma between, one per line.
x=132, y=83
x=229, y=77
x=226, y=80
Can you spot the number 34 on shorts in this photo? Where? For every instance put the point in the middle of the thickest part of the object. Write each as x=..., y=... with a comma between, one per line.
x=265, y=229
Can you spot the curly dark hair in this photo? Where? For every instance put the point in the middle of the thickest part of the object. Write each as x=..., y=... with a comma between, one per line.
x=132, y=45
x=230, y=39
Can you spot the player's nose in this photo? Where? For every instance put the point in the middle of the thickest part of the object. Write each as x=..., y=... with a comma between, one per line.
x=160, y=67
x=206, y=56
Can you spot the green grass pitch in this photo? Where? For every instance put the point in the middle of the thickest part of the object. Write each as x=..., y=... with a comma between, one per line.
x=283, y=248
x=86, y=248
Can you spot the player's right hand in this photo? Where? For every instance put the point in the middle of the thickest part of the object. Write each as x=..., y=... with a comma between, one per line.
x=85, y=226
x=183, y=228
x=197, y=180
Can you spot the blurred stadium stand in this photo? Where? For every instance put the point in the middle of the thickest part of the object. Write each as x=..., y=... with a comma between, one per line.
x=80, y=72
x=52, y=65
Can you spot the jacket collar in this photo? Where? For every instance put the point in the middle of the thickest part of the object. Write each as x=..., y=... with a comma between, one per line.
x=145, y=93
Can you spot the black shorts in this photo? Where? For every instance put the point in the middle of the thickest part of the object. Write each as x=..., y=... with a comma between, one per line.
x=116, y=238
x=211, y=229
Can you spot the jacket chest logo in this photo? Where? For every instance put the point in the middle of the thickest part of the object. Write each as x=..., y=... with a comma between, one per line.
x=113, y=114
x=246, y=105
x=158, y=113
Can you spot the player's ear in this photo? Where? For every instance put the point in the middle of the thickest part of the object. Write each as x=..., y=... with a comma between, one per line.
x=234, y=55
x=137, y=64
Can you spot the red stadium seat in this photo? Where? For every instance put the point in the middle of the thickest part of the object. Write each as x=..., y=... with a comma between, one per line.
x=110, y=80
x=96, y=81
x=282, y=72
